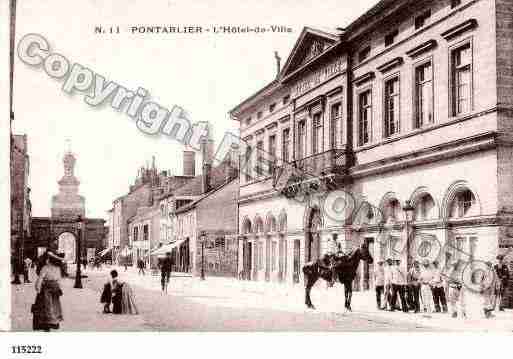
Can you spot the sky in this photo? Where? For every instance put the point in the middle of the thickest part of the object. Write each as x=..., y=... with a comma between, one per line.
x=206, y=74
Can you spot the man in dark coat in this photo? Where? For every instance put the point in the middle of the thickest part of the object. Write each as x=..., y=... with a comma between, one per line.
x=116, y=292
x=165, y=271
x=502, y=272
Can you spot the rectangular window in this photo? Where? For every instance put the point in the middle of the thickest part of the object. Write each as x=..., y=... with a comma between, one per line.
x=334, y=124
x=364, y=53
x=317, y=134
x=421, y=19
x=136, y=233
x=286, y=99
x=259, y=115
x=272, y=153
x=145, y=232
x=260, y=158
x=364, y=117
x=272, y=107
x=423, y=95
x=390, y=37
x=392, y=107
x=286, y=145
x=248, y=121
x=247, y=164
x=301, y=140
x=461, y=68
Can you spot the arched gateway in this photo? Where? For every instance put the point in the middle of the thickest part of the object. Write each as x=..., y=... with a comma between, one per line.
x=60, y=231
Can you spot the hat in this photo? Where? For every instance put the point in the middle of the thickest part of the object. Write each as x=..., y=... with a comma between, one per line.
x=425, y=262
x=381, y=262
x=389, y=260
x=54, y=256
x=500, y=257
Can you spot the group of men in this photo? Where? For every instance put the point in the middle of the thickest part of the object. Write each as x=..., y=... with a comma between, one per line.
x=423, y=287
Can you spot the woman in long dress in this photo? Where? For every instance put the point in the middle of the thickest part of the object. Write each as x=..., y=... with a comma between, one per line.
x=128, y=305
x=47, y=309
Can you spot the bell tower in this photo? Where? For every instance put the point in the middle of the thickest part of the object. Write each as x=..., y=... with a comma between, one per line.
x=68, y=203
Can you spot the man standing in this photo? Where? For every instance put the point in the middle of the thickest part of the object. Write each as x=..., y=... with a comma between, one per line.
x=379, y=276
x=437, y=286
x=165, y=272
x=388, y=285
x=398, y=285
x=457, y=290
x=27, y=264
x=426, y=276
x=414, y=286
x=502, y=272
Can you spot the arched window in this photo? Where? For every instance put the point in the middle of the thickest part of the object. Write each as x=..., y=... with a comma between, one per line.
x=424, y=208
x=259, y=225
x=283, y=222
x=246, y=226
x=271, y=225
x=463, y=205
x=392, y=210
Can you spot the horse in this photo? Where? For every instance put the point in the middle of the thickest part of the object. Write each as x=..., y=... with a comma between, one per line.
x=342, y=266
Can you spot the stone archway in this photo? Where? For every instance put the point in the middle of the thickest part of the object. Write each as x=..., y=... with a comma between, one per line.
x=67, y=244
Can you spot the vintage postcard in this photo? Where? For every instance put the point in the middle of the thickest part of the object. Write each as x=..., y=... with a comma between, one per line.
x=263, y=166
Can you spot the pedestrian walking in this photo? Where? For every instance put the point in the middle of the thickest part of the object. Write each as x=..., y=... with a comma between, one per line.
x=379, y=279
x=27, y=264
x=165, y=272
x=399, y=286
x=414, y=287
x=426, y=276
x=47, y=309
x=140, y=266
x=457, y=290
x=437, y=287
x=502, y=273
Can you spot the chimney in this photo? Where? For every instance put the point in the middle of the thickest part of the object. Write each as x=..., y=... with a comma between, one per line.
x=206, y=185
x=278, y=63
x=189, y=163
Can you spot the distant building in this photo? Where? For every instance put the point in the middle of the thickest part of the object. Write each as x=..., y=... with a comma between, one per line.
x=144, y=232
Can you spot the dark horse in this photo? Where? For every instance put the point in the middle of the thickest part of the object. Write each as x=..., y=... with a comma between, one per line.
x=342, y=266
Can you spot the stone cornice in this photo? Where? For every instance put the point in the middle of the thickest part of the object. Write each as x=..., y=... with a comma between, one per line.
x=271, y=125
x=420, y=49
x=459, y=29
x=426, y=155
x=389, y=65
x=360, y=80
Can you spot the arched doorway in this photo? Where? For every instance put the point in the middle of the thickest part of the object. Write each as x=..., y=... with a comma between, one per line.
x=66, y=243
x=313, y=237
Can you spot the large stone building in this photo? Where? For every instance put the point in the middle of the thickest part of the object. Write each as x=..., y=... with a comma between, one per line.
x=410, y=104
x=21, y=208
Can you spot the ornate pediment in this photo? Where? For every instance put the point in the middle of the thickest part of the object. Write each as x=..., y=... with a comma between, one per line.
x=310, y=44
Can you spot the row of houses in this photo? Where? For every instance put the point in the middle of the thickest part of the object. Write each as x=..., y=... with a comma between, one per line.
x=194, y=217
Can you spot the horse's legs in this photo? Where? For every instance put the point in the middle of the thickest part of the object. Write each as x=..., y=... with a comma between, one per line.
x=349, y=294
x=309, y=283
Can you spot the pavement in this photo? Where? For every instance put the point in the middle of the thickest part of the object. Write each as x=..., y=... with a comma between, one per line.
x=227, y=304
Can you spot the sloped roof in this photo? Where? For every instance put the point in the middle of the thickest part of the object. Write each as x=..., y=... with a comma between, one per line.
x=194, y=203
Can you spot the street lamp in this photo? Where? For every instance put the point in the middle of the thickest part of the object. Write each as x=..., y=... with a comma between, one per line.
x=408, y=211
x=78, y=275
x=203, y=238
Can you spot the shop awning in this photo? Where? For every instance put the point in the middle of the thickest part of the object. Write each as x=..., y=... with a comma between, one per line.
x=161, y=251
x=104, y=252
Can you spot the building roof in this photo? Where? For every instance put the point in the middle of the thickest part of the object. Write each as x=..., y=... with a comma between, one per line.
x=193, y=204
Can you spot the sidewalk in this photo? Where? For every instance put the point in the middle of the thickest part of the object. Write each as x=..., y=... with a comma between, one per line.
x=230, y=292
